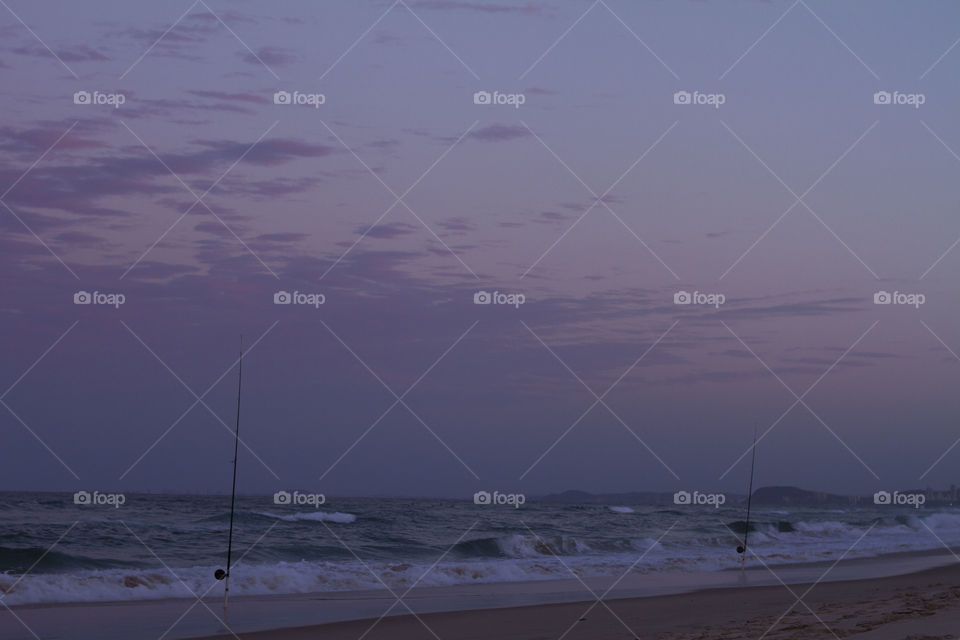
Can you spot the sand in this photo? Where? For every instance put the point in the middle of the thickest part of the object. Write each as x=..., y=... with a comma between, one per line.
x=918, y=606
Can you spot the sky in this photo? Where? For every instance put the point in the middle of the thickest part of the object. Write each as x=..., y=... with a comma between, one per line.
x=486, y=219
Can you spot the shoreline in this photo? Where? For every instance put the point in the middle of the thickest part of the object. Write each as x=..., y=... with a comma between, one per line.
x=278, y=616
x=921, y=605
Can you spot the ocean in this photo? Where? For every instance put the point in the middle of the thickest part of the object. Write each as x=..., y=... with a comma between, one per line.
x=165, y=546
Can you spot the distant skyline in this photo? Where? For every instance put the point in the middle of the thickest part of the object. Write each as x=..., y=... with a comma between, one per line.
x=149, y=152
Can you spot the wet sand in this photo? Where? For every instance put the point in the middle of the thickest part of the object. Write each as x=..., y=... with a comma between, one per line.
x=918, y=606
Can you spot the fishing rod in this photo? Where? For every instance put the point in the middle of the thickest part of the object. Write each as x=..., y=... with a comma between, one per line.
x=220, y=574
x=741, y=549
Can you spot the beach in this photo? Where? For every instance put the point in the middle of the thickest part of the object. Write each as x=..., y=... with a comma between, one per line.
x=883, y=602
x=923, y=605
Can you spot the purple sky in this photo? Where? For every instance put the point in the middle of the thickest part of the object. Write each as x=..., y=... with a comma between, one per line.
x=399, y=198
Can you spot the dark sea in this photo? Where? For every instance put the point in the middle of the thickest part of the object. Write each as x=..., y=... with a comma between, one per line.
x=163, y=546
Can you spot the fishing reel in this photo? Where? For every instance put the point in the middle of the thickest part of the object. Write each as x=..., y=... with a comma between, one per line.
x=740, y=549
x=220, y=574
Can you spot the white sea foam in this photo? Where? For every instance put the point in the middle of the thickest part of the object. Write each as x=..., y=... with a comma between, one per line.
x=621, y=509
x=505, y=558
x=316, y=516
